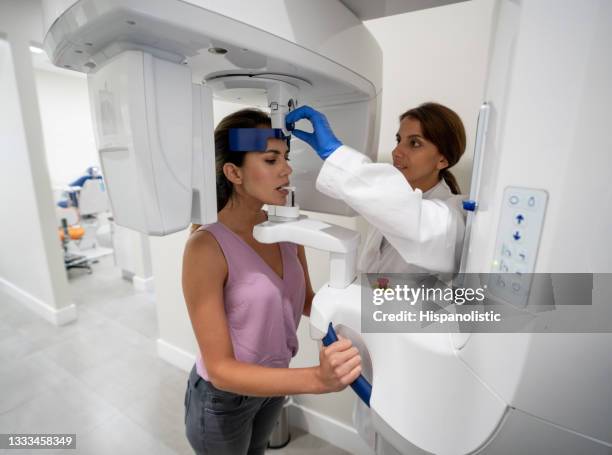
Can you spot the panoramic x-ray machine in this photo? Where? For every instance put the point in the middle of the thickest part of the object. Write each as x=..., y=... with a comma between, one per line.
x=153, y=68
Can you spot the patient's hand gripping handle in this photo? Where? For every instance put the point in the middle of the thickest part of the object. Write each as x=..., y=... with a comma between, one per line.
x=361, y=386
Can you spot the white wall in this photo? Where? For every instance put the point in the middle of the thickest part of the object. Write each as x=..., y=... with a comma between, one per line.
x=67, y=127
x=176, y=343
x=31, y=262
x=439, y=54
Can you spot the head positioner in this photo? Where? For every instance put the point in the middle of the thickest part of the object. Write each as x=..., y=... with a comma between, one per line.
x=253, y=139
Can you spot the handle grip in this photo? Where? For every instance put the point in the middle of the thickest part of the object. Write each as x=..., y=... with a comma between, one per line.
x=361, y=386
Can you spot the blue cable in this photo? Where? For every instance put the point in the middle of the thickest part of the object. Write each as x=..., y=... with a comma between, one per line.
x=361, y=386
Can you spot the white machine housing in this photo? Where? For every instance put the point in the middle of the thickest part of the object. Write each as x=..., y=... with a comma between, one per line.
x=142, y=56
x=142, y=108
x=341, y=243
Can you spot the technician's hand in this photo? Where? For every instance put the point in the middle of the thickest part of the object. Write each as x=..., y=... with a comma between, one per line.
x=339, y=366
x=322, y=139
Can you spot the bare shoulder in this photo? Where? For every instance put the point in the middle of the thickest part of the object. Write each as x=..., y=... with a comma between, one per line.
x=202, y=240
x=203, y=255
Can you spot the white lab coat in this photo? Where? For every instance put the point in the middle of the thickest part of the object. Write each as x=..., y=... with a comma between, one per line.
x=424, y=231
x=410, y=231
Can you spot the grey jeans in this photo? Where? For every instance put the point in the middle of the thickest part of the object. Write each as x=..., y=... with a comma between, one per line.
x=224, y=423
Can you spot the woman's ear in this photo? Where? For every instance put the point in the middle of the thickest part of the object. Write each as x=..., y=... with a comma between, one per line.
x=233, y=173
x=442, y=163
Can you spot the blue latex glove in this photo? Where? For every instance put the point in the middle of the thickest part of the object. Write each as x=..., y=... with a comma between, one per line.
x=322, y=139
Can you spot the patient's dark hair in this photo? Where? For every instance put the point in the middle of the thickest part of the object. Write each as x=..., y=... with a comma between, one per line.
x=246, y=118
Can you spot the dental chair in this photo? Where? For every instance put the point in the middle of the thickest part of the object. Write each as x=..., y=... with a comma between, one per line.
x=82, y=237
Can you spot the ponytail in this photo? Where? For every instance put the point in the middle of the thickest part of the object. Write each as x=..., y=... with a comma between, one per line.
x=450, y=180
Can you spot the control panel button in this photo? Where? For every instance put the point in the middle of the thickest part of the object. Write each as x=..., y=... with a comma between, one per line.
x=506, y=252
x=520, y=219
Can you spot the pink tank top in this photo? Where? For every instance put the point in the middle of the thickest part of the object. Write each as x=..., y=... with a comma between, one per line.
x=263, y=311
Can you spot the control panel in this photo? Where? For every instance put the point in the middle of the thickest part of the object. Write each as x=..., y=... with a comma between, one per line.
x=518, y=240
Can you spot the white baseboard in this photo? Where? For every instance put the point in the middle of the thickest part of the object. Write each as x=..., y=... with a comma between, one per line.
x=331, y=430
x=57, y=316
x=175, y=356
x=143, y=284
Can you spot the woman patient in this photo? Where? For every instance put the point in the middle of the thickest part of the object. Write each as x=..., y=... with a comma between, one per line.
x=245, y=300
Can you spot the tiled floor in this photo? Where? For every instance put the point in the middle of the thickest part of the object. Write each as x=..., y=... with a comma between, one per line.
x=100, y=377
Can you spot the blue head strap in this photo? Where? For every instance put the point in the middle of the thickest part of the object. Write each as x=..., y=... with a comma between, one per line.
x=253, y=139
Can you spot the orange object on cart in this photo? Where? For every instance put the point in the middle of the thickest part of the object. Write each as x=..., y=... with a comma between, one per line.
x=75, y=232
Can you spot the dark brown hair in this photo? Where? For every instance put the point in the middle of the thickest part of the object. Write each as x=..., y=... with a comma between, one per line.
x=245, y=118
x=444, y=128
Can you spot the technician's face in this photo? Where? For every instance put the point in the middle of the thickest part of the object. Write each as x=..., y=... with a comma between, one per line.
x=264, y=173
x=414, y=156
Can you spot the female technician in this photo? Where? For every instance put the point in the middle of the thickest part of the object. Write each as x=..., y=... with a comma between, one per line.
x=413, y=206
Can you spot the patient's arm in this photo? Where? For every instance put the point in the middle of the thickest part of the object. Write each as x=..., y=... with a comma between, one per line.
x=204, y=275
